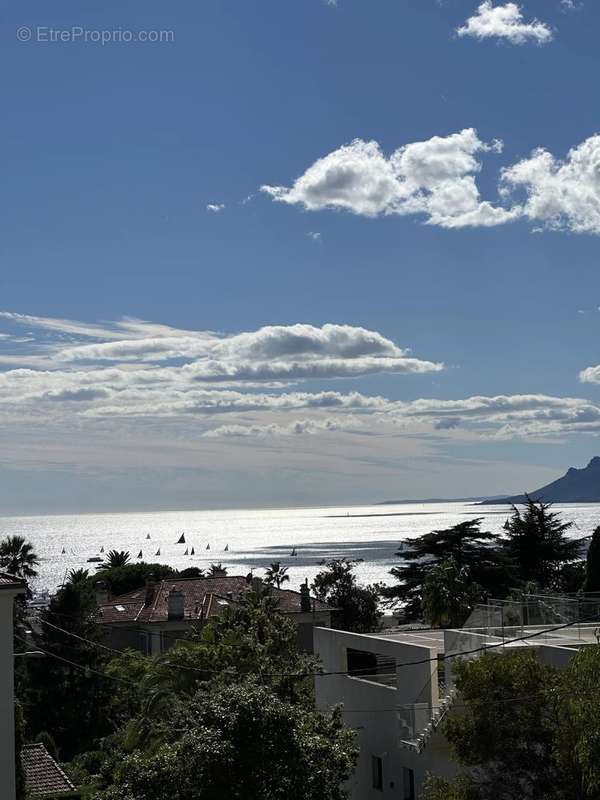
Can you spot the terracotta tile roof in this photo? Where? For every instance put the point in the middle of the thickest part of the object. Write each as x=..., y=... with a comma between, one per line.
x=43, y=776
x=201, y=598
x=10, y=582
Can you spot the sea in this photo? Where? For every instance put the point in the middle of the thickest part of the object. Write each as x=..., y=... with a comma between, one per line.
x=249, y=540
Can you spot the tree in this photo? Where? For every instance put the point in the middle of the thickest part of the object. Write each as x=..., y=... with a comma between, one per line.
x=217, y=571
x=357, y=607
x=114, y=558
x=191, y=572
x=76, y=576
x=536, y=544
x=18, y=557
x=449, y=595
x=240, y=741
x=525, y=730
x=467, y=545
x=128, y=577
x=276, y=574
x=592, y=568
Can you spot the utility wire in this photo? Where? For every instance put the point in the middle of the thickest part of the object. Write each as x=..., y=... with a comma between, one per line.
x=439, y=658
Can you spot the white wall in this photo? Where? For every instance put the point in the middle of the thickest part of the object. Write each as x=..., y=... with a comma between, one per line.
x=370, y=709
x=7, y=697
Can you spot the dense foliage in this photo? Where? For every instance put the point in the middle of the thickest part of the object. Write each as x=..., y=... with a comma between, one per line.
x=357, y=607
x=526, y=730
x=237, y=741
x=445, y=572
x=476, y=556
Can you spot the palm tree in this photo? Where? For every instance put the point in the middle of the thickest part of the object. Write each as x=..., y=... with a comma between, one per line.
x=276, y=574
x=76, y=576
x=115, y=558
x=217, y=571
x=18, y=557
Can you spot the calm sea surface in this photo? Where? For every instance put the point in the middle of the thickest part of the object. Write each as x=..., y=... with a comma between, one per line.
x=256, y=537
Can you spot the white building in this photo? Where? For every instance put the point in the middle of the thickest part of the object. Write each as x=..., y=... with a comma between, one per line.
x=10, y=587
x=395, y=689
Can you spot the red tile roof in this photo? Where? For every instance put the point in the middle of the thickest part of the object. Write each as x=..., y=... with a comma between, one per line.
x=10, y=582
x=201, y=596
x=43, y=776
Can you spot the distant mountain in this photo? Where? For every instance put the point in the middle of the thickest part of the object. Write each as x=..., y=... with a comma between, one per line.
x=575, y=486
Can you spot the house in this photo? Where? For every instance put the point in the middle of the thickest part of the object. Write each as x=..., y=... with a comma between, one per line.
x=10, y=588
x=44, y=778
x=396, y=686
x=151, y=619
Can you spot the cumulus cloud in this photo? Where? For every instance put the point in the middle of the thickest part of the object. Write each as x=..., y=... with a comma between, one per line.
x=504, y=22
x=314, y=235
x=560, y=194
x=215, y=208
x=435, y=178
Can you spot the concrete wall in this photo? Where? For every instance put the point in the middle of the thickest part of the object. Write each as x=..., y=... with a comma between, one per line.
x=370, y=709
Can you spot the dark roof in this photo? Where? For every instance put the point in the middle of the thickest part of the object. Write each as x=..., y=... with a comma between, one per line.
x=10, y=582
x=43, y=776
x=202, y=598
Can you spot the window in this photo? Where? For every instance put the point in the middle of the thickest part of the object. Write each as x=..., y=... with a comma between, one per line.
x=377, y=768
x=409, y=783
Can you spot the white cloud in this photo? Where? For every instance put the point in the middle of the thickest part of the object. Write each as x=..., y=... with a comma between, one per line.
x=435, y=178
x=215, y=208
x=211, y=375
x=504, y=22
x=314, y=235
x=560, y=195
x=296, y=428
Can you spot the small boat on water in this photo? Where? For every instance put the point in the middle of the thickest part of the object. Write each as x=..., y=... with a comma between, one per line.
x=186, y=552
x=293, y=553
x=101, y=549
x=139, y=555
x=147, y=536
x=94, y=560
x=181, y=539
x=208, y=546
x=63, y=551
x=157, y=552
x=193, y=552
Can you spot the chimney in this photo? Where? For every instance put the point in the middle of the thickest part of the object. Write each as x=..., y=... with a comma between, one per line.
x=257, y=585
x=150, y=591
x=305, y=604
x=229, y=595
x=102, y=593
x=176, y=604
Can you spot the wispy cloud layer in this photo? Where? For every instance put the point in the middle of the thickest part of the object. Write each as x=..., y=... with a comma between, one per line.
x=505, y=22
x=436, y=179
x=156, y=377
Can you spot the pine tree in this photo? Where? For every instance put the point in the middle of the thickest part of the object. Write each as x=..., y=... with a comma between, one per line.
x=537, y=545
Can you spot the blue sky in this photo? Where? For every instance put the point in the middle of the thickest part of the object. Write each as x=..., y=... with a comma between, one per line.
x=113, y=154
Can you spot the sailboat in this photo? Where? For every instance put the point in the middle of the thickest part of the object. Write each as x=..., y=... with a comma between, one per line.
x=208, y=546
x=193, y=552
x=147, y=536
x=63, y=551
x=293, y=553
x=181, y=539
x=186, y=552
x=101, y=549
x=139, y=555
x=157, y=552
x=226, y=548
